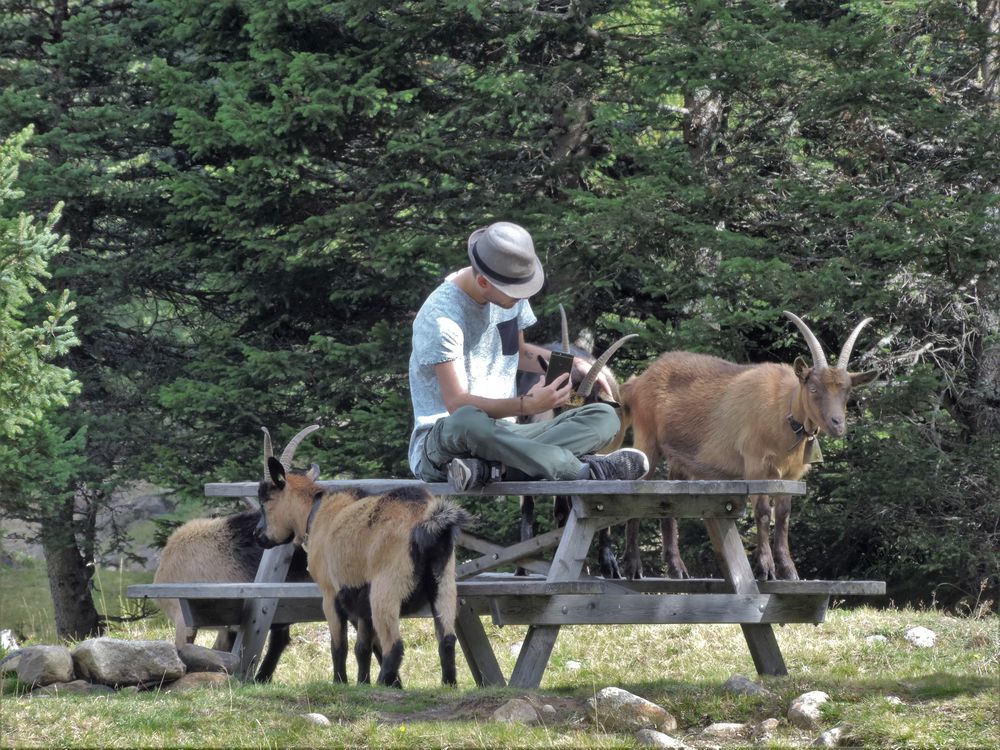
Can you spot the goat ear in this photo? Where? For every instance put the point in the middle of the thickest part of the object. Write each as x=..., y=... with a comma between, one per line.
x=802, y=369
x=859, y=379
x=313, y=472
x=276, y=470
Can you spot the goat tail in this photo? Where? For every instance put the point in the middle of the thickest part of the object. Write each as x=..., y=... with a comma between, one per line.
x=444, y=518
x=432, y=541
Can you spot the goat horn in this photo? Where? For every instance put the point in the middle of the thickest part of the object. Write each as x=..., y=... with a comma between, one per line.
x=565, y=329
x=268, y=449
x=819, y=359
x=587, y=385
x=289, y=452
x=845, y=353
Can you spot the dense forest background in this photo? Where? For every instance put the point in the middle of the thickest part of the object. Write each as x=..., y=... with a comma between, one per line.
x=222, y=214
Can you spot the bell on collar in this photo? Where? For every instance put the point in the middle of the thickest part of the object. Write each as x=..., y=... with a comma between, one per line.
x=812, y=453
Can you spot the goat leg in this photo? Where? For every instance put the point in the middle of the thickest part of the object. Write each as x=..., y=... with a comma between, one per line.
x=784, y=566
x=633, y=562
x=338, y=635
x=363, y=649
x=606, y=555
x=671, y=553
x=527, y=525
x=386, y=605
x=764, y=566
x=280, y=638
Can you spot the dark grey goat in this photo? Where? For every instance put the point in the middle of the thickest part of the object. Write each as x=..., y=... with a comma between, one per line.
x=222, y=550
x=585, y=393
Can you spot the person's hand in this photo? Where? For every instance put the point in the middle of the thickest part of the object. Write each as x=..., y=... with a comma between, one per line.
x=543, y=397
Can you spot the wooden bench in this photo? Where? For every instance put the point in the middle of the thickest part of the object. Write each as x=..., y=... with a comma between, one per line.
x=556, y=592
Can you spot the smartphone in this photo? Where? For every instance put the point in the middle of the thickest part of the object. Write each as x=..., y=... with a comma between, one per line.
x=559, y=364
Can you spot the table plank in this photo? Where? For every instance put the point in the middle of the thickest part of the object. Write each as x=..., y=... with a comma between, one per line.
x=575, y=487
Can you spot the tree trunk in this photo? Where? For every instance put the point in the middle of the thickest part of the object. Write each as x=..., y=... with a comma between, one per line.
x=69, y=577
x=989, y=14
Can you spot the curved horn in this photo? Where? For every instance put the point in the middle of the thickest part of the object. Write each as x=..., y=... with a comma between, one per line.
x=289, y=452
x=268, y=449
x=819, y=359
x=587, y=385
x=564, y=329
x=845, y=352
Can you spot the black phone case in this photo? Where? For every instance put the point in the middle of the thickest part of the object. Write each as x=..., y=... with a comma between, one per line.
x=559, y=364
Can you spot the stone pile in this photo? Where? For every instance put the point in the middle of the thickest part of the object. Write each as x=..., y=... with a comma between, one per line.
x=107, y=664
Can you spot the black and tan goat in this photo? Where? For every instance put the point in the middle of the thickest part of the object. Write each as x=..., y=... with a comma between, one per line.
x=225, y=550
x=400, y=544
x=586, y=392
x=713, y=419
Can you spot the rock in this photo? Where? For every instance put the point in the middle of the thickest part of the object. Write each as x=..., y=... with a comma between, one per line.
x=318, y=719
x=726, y=729
x=199, y=680
x=574, y=666
x=744, y=686
x=618, y=710
x=76, y=686
x=516, y=711
x=44, y=665
x=805, y=710
x=894, y=700
x=115, y=662
x=547, y=710
x=762, y=732
x=200, y=659
x=921, y=637
x=7, y=640
x=839, y=735
x=515, y=648
x=8, y=664
x=652, y=738
x=876, y=639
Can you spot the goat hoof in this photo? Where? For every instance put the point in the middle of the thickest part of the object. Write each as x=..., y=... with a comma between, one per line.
x=609, y=567
x=787, y=573
x=633, y=574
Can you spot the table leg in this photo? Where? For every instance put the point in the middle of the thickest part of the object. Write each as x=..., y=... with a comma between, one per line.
x=736, y=569
x=259, y=613
x=567, y=564
x=477, y=649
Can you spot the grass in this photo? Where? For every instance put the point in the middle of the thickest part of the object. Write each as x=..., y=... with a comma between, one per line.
x=892, y=694
x=26, y=605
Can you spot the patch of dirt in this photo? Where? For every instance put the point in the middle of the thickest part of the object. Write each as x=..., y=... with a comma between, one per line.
x=481, y=708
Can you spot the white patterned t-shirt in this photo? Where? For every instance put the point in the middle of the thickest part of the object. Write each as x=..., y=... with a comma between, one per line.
x=450, y=326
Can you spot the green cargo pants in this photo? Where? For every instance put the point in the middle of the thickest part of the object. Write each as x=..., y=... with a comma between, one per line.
x=541, y=450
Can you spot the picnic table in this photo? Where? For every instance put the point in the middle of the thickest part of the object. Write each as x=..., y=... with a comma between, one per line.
x=556, y=592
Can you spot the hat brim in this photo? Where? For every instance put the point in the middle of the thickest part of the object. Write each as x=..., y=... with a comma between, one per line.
x=521, y=290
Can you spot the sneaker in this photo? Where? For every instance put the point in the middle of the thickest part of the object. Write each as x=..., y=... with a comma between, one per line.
x=473, y=473
x=625, y=463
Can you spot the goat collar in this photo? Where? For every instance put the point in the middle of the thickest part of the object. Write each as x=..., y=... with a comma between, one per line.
x=312, y=514
x=799, y=429
x=812, y=453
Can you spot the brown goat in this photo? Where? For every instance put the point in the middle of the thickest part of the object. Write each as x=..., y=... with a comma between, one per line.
x=400, y=544
x=713, y=419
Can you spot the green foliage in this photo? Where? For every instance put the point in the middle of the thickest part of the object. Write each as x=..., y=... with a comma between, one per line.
x=259, y=195
x=31, y=381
